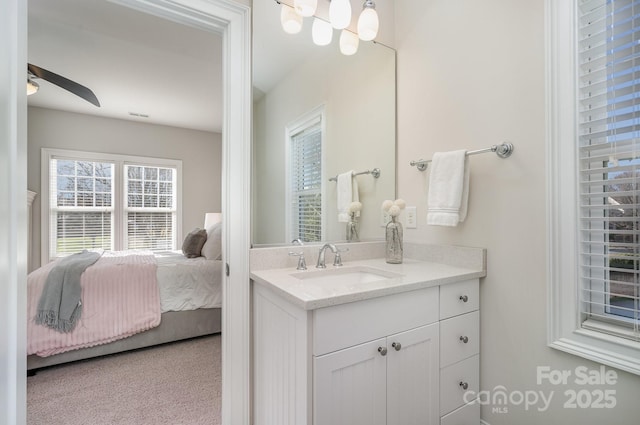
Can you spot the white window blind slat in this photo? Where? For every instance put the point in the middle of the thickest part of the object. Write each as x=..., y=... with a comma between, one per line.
x=609, y=162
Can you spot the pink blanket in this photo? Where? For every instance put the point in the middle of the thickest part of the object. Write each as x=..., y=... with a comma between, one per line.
x=120, y=298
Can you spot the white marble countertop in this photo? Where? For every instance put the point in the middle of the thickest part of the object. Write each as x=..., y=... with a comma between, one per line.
x=313, y=294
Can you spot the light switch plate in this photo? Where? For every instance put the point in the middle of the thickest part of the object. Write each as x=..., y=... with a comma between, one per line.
x=411, y=217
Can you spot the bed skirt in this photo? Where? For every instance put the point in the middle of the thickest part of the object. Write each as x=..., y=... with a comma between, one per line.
x=175, y=326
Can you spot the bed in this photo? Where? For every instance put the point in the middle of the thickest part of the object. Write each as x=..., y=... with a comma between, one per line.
x=188, y=294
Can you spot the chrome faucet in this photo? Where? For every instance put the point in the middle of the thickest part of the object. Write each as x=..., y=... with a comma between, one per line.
x=320, y=264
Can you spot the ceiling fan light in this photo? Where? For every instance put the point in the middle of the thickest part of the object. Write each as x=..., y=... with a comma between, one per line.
x=322, y=32
x=368, y=22
x=305, y=8
x=340, y=13
x=349, y=43
x=32, y=87
x=290, y=20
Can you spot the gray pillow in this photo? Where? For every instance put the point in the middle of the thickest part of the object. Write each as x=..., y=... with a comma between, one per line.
x=192, y=245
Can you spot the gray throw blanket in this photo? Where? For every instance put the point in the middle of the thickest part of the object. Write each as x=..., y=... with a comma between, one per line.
x=60, y=304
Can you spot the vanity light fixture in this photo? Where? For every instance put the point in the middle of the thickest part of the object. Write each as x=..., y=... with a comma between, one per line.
x=290, y=20
x=368, y=21
x=292, y=13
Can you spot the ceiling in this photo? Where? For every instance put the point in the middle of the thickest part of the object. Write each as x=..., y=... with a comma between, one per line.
x=134, y=63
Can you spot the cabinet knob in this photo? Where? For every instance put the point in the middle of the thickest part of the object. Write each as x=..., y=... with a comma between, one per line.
x=464, y=298
x=382, y=351
x=464, y=339
x=397, y=346
x=464, y=385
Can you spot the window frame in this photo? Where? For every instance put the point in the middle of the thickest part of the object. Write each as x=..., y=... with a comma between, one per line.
x=291, y=129
x=564, y=330
x=119, y=205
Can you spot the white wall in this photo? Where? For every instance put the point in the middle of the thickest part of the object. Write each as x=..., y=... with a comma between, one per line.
x=199, y=151
x=471, y=74
x=359, y=104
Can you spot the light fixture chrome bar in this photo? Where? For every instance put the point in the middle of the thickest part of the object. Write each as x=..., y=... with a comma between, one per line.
x=375, y=173
x=503, y=150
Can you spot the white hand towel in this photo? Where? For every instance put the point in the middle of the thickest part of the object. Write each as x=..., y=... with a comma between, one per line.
x=347, y=191
x=448, y=188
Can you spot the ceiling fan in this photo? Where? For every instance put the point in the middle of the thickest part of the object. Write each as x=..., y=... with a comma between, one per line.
x=60, y=81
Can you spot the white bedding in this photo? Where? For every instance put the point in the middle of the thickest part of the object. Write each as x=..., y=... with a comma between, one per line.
x=188, y=283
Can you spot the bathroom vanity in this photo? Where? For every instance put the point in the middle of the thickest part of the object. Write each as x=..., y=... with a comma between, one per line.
x=367, y=343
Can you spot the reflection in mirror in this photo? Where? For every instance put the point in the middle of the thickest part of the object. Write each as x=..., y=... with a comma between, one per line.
x=318, y=115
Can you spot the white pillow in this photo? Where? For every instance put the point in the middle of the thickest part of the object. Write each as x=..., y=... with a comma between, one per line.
x=212, y=248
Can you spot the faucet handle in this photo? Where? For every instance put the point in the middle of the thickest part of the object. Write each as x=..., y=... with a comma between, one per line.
x=302, y=264
x=337, y=260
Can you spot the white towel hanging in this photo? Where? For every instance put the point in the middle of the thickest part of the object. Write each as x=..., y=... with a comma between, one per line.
x=448, y=188
x=347, y=192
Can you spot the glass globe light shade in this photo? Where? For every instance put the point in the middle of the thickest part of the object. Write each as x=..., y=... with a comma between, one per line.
x=368, y=24
x=349, y=43
x=305, y=8
x=340, y=13
x=290, y=20
x=322, y=32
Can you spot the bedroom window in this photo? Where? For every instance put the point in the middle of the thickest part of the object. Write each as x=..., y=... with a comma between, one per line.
x=151, y=207
x=595, y=180
x=106, y=201
x=81, y=205
x=304, y=191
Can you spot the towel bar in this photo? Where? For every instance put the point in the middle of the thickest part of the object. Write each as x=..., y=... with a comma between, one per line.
x=503, y=150
x=375, y=173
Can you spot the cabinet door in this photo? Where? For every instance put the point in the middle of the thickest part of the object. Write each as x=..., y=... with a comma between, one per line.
x=350, y=386
x=413, y=376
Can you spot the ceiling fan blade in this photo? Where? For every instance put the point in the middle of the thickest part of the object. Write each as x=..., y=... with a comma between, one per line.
x=65, y=83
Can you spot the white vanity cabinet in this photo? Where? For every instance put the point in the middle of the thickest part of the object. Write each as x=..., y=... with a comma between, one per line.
x=392, y=380
x=398, y=359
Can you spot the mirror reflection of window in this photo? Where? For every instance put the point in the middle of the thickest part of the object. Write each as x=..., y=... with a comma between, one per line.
x=305, y=188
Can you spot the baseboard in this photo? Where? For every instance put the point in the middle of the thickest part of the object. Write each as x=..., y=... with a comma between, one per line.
x=483, y=422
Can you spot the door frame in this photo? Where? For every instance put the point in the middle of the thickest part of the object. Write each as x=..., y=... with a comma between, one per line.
x=232, y=20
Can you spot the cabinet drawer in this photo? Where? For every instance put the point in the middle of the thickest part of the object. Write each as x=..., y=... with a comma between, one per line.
x=459, y=338
x=452, y=381
x=466, y=415
x=346, y=325
x=459, y=298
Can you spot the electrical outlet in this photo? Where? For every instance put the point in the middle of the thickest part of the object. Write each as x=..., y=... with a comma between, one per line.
x=411, y=218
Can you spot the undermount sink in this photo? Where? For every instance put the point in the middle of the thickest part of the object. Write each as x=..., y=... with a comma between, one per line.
x=349, y=275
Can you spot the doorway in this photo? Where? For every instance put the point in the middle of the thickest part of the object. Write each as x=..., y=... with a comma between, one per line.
x=232, y=20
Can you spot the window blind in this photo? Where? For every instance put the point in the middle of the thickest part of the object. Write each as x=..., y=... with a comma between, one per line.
x=151, y=207
x=80, y=206
x=306, y=183
x=609, y=165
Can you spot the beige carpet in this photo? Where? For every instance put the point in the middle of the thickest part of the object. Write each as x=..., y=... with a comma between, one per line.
x=178, y=383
